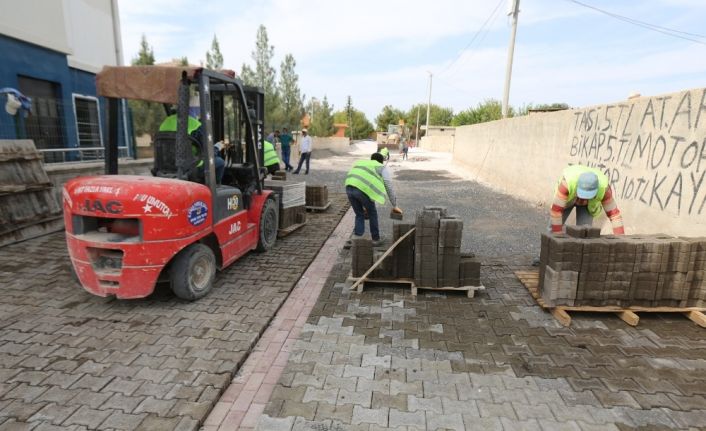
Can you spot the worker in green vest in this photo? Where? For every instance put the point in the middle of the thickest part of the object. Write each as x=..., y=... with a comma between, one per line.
x=271, y=161
x=385, y=153
x=367, y=183
x=196, y=131
x=587, y=190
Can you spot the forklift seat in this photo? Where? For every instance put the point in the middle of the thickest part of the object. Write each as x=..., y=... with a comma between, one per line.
x=165, y=157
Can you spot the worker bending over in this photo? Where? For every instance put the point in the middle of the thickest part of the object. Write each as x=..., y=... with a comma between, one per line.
x=588, y=190
x=367, y=183
x=271, y=161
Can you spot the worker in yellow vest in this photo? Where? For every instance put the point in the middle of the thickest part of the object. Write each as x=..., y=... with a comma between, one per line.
x=271, y=161
x=367, y=183
x=588, y=190
x=194, y=129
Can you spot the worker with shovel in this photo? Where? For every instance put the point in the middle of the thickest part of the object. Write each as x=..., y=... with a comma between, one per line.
x=367, y=183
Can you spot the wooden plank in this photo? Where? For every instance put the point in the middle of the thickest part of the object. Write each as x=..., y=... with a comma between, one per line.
x=561, y=316
x=379, y=261
x=628, y=317
x=281, y=233
x=470, y=290
x=323, y=208
x=697, y=317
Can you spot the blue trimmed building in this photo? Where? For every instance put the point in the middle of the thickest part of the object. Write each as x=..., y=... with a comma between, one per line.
x=51, y=53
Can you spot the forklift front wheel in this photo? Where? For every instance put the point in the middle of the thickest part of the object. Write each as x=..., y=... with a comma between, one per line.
x=192, y=272
x=269, y=222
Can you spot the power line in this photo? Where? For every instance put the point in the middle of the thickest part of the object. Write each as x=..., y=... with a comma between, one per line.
x=659, y=29
x=473, y=39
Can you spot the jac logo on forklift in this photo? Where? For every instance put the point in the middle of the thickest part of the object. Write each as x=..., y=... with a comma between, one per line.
x=110, y=207
x=234, y=228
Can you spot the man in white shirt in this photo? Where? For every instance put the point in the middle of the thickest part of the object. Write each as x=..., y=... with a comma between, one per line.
x=304, y=152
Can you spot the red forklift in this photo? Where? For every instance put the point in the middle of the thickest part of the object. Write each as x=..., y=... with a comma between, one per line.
x=127, y=232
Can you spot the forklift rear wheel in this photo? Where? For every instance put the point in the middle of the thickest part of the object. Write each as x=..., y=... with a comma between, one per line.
x=192, y=272
x=268, y=226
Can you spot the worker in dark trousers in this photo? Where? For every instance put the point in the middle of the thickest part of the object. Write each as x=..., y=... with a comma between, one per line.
x=367, y=183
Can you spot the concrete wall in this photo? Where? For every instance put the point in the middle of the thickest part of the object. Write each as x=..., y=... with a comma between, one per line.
x=336, y=144
x=652, y=148
x=443, y=143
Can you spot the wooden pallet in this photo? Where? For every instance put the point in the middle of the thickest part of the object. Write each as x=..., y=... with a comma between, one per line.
x=530, y=279
x=281, y=233
x=318, y=209
x=408, y=282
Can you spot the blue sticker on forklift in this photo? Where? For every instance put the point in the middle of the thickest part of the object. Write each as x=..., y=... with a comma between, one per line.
x=197, y=213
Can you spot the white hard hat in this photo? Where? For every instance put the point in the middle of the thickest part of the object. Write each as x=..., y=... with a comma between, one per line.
x=13, y=104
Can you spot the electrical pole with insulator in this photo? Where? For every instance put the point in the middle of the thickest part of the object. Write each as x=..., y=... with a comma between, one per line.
x=514, y=11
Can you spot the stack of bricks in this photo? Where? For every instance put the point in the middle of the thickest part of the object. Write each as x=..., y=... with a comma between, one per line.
x=279, y=176
x=639, y=270
x=291, y=216
x=403, y=254
x=362, y=253
x=426, y=247
x=449, y=255
x=316, y=196
x=469, y=271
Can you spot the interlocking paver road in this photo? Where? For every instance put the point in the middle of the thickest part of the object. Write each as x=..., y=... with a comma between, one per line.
x=386, y=360
x=72, y=360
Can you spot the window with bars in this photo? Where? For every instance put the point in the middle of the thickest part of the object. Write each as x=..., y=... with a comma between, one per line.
x=88, y=121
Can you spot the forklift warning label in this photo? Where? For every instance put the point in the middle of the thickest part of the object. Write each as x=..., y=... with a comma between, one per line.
x=197, y=213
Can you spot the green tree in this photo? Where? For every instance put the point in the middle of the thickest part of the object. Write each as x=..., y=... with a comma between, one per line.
x=322, y=118
x=488, y=110
x=291, y=105
x=388, y=115
x=264, y=75
x=361, y=126
x=147, y=116
x=214, y=58
x=145, y=56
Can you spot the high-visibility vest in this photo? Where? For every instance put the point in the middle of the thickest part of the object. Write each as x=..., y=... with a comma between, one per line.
x=385, y=152
x=571, y=175
x=170, y=125
x=270, y=154
x=366, y=176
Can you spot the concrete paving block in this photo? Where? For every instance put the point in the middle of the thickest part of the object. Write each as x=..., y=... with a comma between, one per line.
x=431, y=405
x=411, y=419
x=362, y=415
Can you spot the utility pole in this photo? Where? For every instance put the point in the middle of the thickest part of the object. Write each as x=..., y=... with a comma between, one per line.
x=510, y=51
x=429, y=102
x=416, y=132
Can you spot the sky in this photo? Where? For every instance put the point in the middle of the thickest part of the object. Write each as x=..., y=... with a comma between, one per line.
x=381, y=52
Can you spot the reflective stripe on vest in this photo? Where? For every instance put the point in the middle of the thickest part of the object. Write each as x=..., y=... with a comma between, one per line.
x=365, y=176
x=571, y=175
x=270, y=155
x=170, y=124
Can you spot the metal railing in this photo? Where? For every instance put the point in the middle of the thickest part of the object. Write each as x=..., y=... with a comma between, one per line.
x=79, y=154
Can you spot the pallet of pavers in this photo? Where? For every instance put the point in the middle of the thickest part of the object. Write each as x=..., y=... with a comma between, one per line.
x=317, y=198
x=429, y=259
x=580, y=270
x=292, y=209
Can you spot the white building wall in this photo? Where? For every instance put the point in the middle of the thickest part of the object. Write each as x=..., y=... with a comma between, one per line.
x=39, y=22
x=94, y=18
x=82, y=29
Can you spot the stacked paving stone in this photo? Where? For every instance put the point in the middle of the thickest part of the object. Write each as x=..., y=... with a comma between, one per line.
x=469, y=271
x=403, y=254
x=449, y=255
x=362, y=253
x=426, y=247
x=279, y=176
x=292, y=209
x=316, y=195
x=578, y=268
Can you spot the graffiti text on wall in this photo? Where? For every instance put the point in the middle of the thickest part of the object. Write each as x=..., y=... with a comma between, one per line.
x=653, y=152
